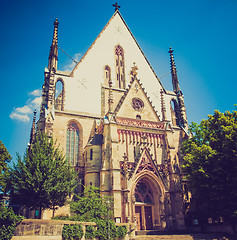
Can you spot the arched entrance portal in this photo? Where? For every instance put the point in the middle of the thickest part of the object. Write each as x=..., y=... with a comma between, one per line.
x=148, y=204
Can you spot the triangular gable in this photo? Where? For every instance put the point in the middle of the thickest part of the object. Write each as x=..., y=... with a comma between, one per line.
x=146, y=164
x=135, y=102
x=89, y=74
x=111, y=19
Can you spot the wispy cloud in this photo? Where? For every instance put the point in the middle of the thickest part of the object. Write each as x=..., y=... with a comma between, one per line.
x=36, y=102
x=20, y=117
x=23, y=113
x=36, y=92
x=23, y=110
x=69, y=67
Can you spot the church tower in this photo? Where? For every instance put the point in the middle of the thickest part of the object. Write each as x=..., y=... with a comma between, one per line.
x=120, y=129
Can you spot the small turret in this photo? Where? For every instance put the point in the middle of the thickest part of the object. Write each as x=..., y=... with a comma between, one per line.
x=53, y=54
x=174, y=75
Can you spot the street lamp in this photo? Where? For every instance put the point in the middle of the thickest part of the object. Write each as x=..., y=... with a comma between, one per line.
x=108, y=219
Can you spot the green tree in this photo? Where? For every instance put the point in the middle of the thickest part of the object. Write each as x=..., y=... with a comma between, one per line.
x=5, y=158
x=43, y=180
x=210, y=165
x=8, y=222
x=91, y=206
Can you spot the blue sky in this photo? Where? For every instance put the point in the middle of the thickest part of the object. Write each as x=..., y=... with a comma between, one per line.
x=203, y=34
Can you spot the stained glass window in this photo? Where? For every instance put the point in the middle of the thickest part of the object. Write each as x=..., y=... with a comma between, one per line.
x=72, y=146
x=119, y=60
x=107, y=74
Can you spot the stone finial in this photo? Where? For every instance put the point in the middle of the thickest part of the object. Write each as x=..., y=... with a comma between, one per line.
x=134, y=70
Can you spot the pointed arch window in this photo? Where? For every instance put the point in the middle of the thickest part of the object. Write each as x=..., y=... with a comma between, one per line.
x=91, y=154
x=119, y=62
x=107, y=73
x=59, y=95
x=72, y=147
x=175, y=114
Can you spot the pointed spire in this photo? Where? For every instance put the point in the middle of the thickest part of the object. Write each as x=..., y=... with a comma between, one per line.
x=163, y=109
x=33, y=130
x=175, y=81
x=53, y=54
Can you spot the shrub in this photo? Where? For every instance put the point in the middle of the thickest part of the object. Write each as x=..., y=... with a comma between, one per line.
x=121, y=232
x=8, y=222
x=103, y=231
x=72, y=232
x=61, y=217
x=90, y=232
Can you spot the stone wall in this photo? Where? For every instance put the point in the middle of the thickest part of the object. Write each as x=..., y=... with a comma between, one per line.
x=41, y=229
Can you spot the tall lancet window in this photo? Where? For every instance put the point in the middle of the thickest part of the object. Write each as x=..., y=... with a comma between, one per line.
x=59, y=95
x=107, y=74
x=119, y=62
x=72, y=147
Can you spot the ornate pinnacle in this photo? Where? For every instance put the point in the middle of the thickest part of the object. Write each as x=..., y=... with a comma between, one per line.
x=33, y=131
x=55, y=33
x=34, y=116
x=110, y=99
x=53, y=54
x=175, y=81
x=163, y=109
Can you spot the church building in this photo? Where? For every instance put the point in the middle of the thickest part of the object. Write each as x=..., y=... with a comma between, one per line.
x=119, y=127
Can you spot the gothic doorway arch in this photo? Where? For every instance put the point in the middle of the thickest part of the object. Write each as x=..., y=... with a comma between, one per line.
x=148, y=205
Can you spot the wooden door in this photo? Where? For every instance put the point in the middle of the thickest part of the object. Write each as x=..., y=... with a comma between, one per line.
x=138, y=217
x=148, y=217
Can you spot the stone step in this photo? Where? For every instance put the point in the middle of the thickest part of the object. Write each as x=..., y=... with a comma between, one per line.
x=184, y=237
x=36, y=237
x=164, y=237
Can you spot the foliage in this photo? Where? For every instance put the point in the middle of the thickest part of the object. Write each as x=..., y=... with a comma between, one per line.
x=5, y=158
x=105, y=229
x=8, y=222
x=61, y=217
x=210, y=164
x=91, y=206
x=90, y=232
x=72, y=232
x=43, y=179
x=121, y=232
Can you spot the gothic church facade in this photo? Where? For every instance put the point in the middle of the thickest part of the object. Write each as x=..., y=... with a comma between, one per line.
x=119, y=127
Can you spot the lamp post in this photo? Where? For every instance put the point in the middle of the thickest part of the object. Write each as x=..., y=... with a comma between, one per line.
x=108, y=219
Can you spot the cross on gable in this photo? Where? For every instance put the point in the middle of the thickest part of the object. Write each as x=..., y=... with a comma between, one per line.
x=116, y=6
